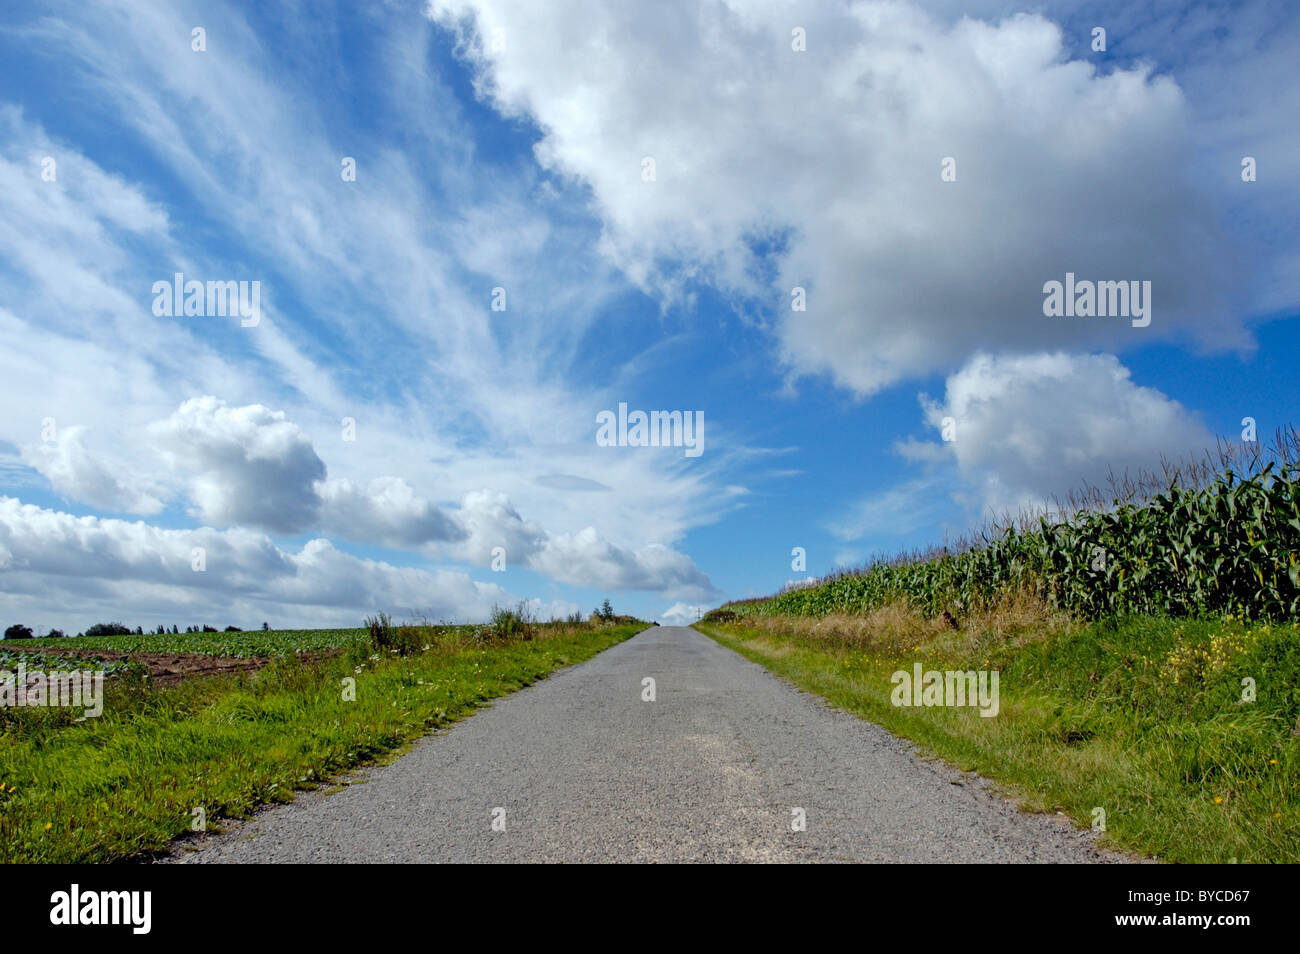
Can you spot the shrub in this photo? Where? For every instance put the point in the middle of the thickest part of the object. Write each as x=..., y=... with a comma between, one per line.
x=404, y=640
x=108, y=629
x=407, y=640
x=381, y=631
x=511, y=624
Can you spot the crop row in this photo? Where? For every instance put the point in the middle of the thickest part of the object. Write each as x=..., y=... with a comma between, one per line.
x=1231, y=546
x=281, y=642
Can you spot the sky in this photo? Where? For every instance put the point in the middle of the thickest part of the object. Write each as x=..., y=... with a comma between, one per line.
x=466, y=232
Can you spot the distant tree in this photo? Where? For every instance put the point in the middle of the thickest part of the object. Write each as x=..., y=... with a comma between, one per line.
x=173, y=627
x=18, y=631
x=233, y=629
x=139, y=630
x=209, y=629
x=265, y=627
x=606, y=611
x=189, y=629
x=161, y=629
x=56, y=634
x=108, y=629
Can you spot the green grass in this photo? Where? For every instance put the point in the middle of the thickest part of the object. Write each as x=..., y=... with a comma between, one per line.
x=1141, y=716
x=126, y=783
x=276, y=642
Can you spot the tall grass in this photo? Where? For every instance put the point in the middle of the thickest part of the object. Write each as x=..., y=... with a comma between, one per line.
x=1215, y=536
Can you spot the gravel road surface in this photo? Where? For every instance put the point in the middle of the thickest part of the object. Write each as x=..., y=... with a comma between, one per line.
x=711, y=770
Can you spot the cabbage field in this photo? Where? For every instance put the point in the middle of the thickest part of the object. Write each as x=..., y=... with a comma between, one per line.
x=243, y=645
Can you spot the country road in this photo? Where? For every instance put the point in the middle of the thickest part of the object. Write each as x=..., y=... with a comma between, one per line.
x=711, y=770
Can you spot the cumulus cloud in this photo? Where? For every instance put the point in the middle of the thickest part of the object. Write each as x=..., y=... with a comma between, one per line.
x=76, y=570
x=386, y=511
x=251, y=467
x=491, y=521
x=80, y=474
x=1028, y=427
x=821, y=169
x=583, y=558
x=243, y=465
x=680, y=614
x=66, y=566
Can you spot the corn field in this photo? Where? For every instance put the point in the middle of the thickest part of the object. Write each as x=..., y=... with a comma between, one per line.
x=1212, y=541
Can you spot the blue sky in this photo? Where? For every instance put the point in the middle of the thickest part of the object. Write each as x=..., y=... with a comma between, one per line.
x=503, y=145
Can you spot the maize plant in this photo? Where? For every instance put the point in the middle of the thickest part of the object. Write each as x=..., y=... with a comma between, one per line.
x=1231, y=545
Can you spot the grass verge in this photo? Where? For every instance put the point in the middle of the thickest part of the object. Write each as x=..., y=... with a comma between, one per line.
x=127, y=783
x=1145, y=718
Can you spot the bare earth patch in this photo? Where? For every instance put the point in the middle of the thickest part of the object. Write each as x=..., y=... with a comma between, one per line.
x=168, y=669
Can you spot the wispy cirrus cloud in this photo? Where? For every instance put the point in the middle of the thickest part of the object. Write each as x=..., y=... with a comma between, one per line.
x=397, y=263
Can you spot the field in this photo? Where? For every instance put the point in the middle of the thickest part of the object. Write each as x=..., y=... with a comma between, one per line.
x=1147, y=651
x=241, y=645
x=159, y=757
x=1195, y=542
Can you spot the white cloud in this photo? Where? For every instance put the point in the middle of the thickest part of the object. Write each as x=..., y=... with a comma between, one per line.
x=491, y=521
x=585, y=558
x=243, y=465
x=252, y=467
x=582, y=558
x=680, y=614
x=386, y=511
x=1029, y=427
x=834, y=155
x=77, y=570
x=80, y=474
